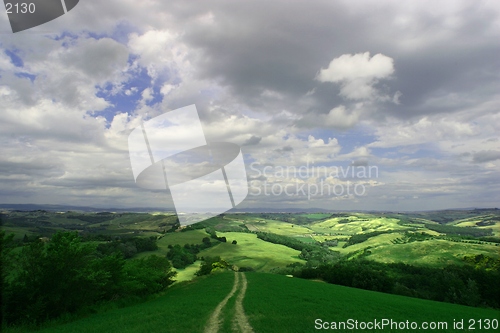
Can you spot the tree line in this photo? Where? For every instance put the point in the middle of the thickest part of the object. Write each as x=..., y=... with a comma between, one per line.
x=314, y=253
x=472, y=285
x=462, y=231
x=360, y=238
x=65, y=275
x=128, y=247
x=182, y=256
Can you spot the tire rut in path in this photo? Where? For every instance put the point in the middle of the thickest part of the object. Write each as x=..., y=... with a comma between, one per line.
x=240, y=320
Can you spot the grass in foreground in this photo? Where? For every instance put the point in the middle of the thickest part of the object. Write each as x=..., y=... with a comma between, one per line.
x=185, y=307
x=277, y=303
x=273, y=303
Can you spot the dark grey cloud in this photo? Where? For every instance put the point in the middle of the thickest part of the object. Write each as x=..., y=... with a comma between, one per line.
x=486, y=156
x=252, y=141
x=285, y=149
x=31, y=168
x=91, y=182
x=361, y=162
x=280, y=46
x=257, y=46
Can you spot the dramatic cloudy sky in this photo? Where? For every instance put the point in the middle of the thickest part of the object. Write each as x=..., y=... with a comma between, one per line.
x=408, y=88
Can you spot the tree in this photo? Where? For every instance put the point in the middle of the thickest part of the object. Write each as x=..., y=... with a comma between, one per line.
x=147, y=275
x=51, y=279
x=146, y=244
x=234, y=242
x=182, y=256
x=211, y=264
x=206, y=267
x=65, y=275
x=175, y=226
x=128, y=249
x=6, y=264
x=59, y=277
x=67, y=280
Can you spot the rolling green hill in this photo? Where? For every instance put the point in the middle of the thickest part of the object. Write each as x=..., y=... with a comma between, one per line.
x=253, y=252
x=272, y=303
x=262, y=302
x=450, y=234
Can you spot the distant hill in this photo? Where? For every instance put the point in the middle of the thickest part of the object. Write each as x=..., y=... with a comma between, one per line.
x=31, y=207
x=64, y=208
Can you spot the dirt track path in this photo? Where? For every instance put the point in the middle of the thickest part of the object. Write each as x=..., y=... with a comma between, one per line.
x=240, y=320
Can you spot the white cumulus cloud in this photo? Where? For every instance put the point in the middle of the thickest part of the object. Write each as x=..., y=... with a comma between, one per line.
x=358, y=74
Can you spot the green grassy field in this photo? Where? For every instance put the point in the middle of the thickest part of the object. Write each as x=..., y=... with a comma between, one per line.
x=279, y=304
x=376, y=241
x=184, y=308
x=248, y=252
x=315, y=216
x=276, y=303
x=181, y=238
x=431, y=252
x=358, y=224
x=183, y=274
x=119, y=224
x=273, y=303
x=313, y=227
x=18, y=232
x=188, y=273
x=252, y=252
x=282, y=228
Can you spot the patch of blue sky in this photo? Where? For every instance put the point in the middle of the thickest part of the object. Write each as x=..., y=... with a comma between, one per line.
x=29, y=76
x=67, y=38
x=408, y=151
x=157, y=96
x=95, y=35
x=357, y=137
x=403, y=155
x=122, y=32
x=14, y=57
x=127, y=98
x=130, y=94
x=248, y=158
x=63, y=35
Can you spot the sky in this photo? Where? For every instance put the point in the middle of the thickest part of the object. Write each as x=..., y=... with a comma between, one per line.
x=341, y=105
